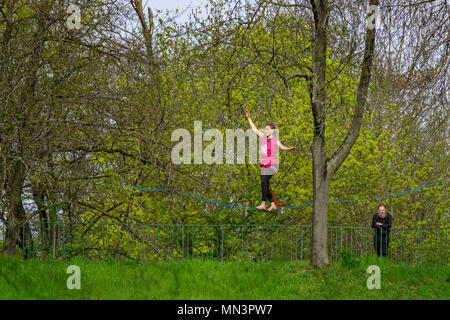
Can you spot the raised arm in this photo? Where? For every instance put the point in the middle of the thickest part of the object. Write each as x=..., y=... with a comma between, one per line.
x=254, y=129
x=284, y=148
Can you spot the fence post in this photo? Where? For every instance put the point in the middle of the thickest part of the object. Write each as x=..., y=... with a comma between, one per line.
x=23, y=240
x=440, y=250
x=421, y=245
x=143, y=244
x=103, y=241
x=262, y=243
x=221, y=250
x=64, y=241
x=402, y=239
x=381, y=243
x=351, y=240
x=182, y=243
x=54, y=240
x=301, y=243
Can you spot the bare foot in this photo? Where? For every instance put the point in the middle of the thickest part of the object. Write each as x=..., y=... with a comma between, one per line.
x=272, y=207
x=262, y=206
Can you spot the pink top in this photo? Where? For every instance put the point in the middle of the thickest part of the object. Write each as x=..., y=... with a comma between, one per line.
x=268, y=151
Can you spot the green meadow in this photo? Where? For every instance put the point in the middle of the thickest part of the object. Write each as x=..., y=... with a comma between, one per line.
x=204, y=279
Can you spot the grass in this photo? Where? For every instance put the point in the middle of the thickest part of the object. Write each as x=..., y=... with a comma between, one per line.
x=196, y=279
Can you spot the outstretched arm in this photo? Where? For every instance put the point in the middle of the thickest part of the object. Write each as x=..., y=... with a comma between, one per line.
x=254, y=129
x=283, y=147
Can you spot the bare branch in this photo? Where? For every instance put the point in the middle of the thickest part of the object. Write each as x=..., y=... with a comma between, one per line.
x=361, y=100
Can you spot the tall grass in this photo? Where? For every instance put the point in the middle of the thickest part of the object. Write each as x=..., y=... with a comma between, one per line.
x=196, y=279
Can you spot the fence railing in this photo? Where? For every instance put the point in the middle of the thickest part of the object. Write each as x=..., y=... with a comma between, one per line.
x=145, y=243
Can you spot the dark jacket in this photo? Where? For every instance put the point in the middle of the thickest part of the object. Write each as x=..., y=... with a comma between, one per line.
x=386, y=221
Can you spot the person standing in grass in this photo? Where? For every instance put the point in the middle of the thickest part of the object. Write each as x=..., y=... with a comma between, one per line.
x=381, y=222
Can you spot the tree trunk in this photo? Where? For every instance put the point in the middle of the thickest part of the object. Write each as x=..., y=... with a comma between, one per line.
x=15, y=208
x=11, y=236
x=318, y=96
x=321, y=183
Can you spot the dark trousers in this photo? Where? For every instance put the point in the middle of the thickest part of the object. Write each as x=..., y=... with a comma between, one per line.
x=381, y=244
x=266, y=194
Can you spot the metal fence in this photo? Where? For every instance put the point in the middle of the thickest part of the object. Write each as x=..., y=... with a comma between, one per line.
x=145, y=243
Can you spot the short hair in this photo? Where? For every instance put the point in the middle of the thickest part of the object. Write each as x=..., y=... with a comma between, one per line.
x=272, y=125
x=381, y=205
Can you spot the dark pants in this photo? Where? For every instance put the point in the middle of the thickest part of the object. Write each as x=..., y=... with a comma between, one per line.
x=266, y=194
x=381, y=244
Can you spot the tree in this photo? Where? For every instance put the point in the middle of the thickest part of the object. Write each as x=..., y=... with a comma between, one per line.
x=324, y=168
x=47, y=105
